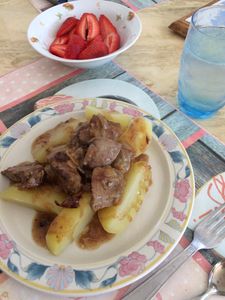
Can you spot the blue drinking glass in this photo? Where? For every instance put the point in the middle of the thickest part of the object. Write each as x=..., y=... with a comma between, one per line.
x=201, y=86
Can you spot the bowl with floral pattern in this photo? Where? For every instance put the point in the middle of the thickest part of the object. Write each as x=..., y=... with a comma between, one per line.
x=149, y=238
x=43, y=28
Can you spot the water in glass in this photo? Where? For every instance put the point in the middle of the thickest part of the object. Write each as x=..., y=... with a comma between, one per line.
x=201, y=87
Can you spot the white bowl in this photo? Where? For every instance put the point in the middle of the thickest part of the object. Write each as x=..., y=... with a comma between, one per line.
x=43, y=28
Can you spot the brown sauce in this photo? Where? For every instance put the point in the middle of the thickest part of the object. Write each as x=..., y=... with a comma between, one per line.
x=40, y=227
x=94, y=235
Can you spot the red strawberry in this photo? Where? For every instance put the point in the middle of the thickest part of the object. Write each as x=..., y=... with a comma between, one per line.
x=61, y=40
x=58, y=46
x=109, y=34
x=75, y=46
x=112, y=41
x=58, y=50
x=106, y=27
x=67, y=26
x=95, y=48
x=74, y=30
x=88, y=27
x=98, y=38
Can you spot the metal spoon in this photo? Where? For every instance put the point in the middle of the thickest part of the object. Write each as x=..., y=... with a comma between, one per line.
x=216, y=282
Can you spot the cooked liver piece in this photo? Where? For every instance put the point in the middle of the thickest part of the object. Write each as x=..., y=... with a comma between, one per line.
x=123, y=160
x=82, y=134
x=50, y=175
x=101, y=152
x=76, y=155
x=66, y=176
x=26, y=174
x=71, y=201
x=65, y=172
x=107, y=186
x=98, y=127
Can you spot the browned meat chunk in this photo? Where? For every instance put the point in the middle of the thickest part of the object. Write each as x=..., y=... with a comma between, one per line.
x=87, y=187
x=72, y=152
x=83, y=134
x=50, y=175
x=65, y=172
x=75, y=142
x=101, y=152
x=98, y=127
x=107, y=186
x=58, y=153
x=26, y=174
x=123, y=160
x=71, y=201
x=76, y=155
x=66, y=176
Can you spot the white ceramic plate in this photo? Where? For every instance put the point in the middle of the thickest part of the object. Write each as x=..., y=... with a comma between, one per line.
x=113, y=87
x=148, y=240
x=210, y=196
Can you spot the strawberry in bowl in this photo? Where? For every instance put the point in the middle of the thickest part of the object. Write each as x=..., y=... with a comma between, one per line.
x=109, y=34
x=86, y=38
x=84, y=34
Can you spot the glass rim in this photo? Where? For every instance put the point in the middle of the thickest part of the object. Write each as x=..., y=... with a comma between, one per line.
x=202, y=9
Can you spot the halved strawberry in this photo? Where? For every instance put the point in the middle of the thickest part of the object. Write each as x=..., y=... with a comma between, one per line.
x=67, y=26
x=106, y=26
x=95, y=48
x=58, y=46
x=61, y=40
x=88, y=27
x=98, y=38
x=75, y=46
x=58, y=50
x=112, y=41
x=74, y=30
x=109, y=34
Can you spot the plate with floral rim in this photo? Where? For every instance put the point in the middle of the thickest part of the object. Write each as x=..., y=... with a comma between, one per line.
x=150, y=237
x=120, y=89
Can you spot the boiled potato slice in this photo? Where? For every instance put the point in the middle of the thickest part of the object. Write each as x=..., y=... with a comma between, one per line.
x=68, y=225
x=116, y=218
x=42, y=198
x=59, y=135
x=138, y=135
x=90, y=111
x=113, y=116
x=123, y=119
